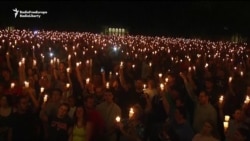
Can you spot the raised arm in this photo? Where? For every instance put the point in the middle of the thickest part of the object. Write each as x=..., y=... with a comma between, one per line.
x=8, y=62
x=189, y=87
x=122, y=80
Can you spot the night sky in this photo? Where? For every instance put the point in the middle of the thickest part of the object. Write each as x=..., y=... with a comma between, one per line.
x=194, y=18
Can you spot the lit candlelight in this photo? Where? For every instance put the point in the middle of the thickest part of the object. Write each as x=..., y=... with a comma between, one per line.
x=131, y=112
x=150, y=64
x=23, y=60
x=230, y=79
x=87, y=80
x=160, y=75
x=189, y=69
x=68, y=69
x=116, y=73
x=241, y=73
x=206, y=66
x=42, y=89
x=247, y=100
x=69, y=57
x=121, y=64
x=107, y=85
x=227, y=117
x=225, y=123
x=34, y=62
x=144, y=86
x=67, y=85
x=20, y=63
x=51, y=61
x=26, y=84
x=162, y=86
x=133, y=66
x=118, y=119
x=221, y=99
x=77, y=64
x=194, y=68
x=45, y=98
x=12, y=85
x=58, y=61
x=166, y=80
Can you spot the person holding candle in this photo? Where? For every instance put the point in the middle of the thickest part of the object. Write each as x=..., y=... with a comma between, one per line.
x=109, y=110
x=134, y=129
x=158, y=113
x=24, y=121
x=234, y=124
x=151, y=89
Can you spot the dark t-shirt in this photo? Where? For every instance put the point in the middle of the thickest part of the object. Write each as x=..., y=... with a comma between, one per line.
x=58, y=128
x=158, y=114
x=24, y=126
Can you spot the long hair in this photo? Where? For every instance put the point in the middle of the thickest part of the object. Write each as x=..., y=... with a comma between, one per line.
x=84, y=115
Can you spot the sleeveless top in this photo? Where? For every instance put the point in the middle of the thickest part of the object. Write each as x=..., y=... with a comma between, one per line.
x=78, y=134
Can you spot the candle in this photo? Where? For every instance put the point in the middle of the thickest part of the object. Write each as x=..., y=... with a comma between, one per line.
x=225, y=123
x=20, y=63
x=87, y=80
x=68, y=69
x=241, y=73
x=194, y=68
x=87, y=62
x=45, y=98
x=144, y=86
x=227, y=117
x=23, y=60
x=162, y=86
x=58, y=61
x=34, y=62
x=42, y=89
x=67, y=85
x=77, y=64
x=121, y=64
x=206, y=66
x=12, y=85
x=26, y=84
x=150, y=64
x=189, y=69
x=247, y=100
x=166, y=80
x=107, y=85
x=133, y=66
x=221, y=99
x=230, y=79
x=118, y=119
x=160, y=75
x=131, y=112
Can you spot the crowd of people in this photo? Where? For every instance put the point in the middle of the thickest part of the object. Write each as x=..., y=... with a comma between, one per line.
x=60, y=86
